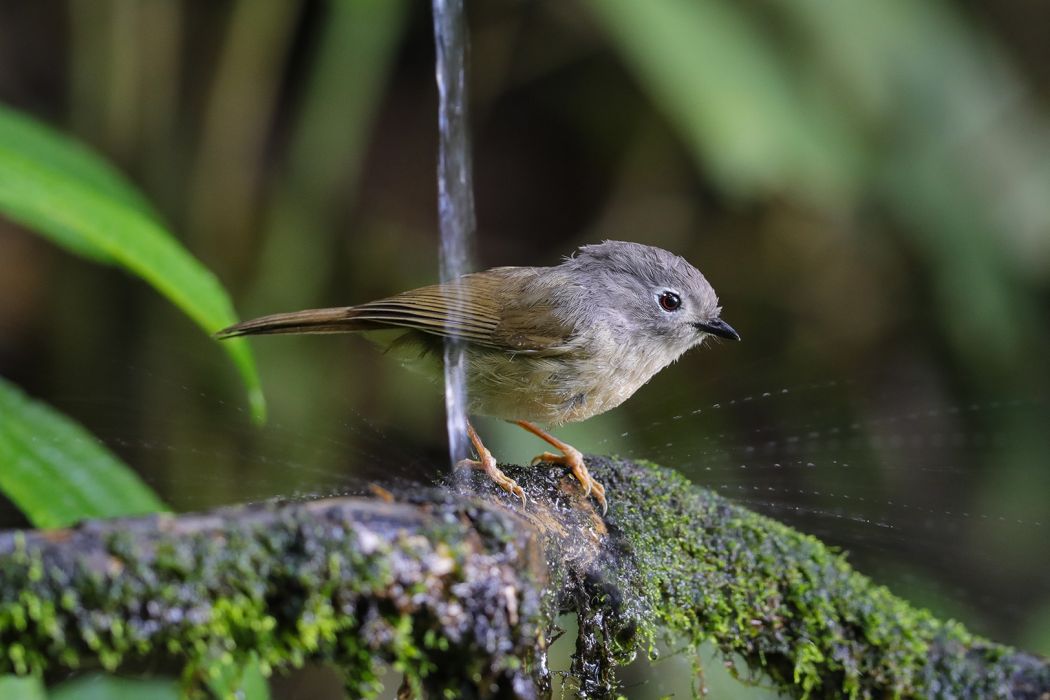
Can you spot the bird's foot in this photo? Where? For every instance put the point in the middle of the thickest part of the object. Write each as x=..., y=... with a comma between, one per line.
x=495, y=473
x=570, y=457
x=487, y=463
x=573, y=459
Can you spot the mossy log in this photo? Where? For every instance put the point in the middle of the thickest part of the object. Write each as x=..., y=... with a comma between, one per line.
x=458, y=588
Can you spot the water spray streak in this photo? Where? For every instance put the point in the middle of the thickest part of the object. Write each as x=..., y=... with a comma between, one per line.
x=455, y=196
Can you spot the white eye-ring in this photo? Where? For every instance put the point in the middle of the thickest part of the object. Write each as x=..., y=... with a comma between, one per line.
x=669, y=301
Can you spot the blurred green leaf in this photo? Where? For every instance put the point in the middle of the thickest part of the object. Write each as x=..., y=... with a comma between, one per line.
x=17, y=688
x=56, y=472
x=57, y=188
x=245, y=682
x=733, y=98
x=39, y=144
x=101, y=687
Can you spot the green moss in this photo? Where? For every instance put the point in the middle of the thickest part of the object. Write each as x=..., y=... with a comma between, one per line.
x=692, y=564
x=285, y=591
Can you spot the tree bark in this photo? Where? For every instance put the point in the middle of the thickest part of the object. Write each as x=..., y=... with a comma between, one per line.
x=459, y=587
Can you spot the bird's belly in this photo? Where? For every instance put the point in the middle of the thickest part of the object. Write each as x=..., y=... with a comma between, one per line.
x=551, y=390
x=548, y=390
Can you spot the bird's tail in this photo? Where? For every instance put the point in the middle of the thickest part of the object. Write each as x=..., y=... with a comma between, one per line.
x=338, y=320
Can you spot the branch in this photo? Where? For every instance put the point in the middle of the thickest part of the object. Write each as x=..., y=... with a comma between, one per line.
x=459, y=590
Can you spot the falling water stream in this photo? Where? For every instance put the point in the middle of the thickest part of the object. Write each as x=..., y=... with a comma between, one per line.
x=455, y=196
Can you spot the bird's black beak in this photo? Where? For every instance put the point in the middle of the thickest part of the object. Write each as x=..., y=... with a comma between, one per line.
x=717, y=326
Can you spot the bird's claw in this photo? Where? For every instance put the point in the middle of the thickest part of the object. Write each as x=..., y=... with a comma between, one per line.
x=573, y=459
x=488, y=465
x=580, y=472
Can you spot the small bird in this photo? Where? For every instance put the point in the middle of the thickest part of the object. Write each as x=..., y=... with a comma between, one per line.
x=550, y=345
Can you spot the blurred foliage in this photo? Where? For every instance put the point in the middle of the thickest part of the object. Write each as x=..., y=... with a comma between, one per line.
x=865, y=186
x=22, y=688
x=60, y=190
x=98, y=687
x=56, y=473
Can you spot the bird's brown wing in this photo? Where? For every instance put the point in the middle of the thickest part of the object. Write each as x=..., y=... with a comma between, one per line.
x=494, y=309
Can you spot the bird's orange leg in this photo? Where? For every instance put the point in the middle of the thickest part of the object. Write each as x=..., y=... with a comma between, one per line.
x=570, y=457
x=487, y=463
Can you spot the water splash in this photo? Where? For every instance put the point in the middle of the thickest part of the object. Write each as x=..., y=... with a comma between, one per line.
x=455, y=196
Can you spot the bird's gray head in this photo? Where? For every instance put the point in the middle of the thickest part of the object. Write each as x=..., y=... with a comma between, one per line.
x=653, y=293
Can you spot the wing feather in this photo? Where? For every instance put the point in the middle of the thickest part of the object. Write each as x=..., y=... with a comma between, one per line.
x=492, y=309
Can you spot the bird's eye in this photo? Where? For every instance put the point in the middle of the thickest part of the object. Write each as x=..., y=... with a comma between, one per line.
x=669, y=301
